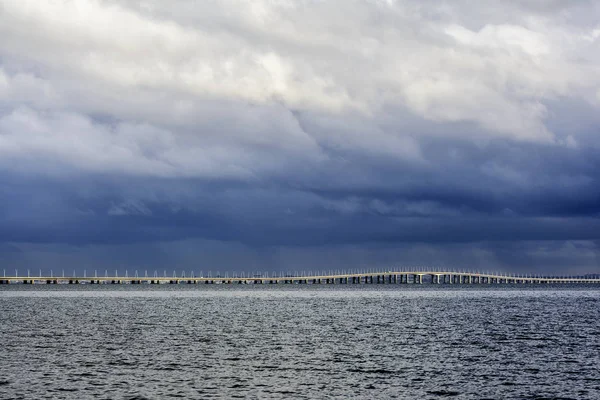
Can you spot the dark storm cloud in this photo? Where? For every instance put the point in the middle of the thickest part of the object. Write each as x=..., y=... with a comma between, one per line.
x=286, y=134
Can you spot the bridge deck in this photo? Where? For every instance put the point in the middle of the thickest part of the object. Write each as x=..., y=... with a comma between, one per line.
x=388, y=277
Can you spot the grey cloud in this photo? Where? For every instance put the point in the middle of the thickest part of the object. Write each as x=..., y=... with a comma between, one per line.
x=498, y=75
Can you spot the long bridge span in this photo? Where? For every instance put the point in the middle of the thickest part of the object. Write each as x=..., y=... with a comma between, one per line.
x=356, y=278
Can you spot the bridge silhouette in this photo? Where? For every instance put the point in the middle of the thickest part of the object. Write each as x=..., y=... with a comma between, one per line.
x=417, y=276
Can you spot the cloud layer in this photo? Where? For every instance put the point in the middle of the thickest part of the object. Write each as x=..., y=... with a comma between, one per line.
x=289, y=130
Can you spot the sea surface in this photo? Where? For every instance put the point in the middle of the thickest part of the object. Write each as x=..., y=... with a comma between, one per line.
x=392, y=341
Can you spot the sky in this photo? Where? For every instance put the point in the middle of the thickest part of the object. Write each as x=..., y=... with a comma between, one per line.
x=304, y=135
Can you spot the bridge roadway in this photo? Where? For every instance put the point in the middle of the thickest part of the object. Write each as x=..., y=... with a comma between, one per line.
x=389, y=277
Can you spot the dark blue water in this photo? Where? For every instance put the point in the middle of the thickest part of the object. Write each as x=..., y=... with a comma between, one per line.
x=298, y=342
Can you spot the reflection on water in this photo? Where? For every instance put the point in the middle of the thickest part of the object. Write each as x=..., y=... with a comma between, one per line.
x=312, y=342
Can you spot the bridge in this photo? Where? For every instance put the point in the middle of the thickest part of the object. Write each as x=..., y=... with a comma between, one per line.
x=380, y=277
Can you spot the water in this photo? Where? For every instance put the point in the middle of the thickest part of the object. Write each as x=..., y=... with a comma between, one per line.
x=298, y=342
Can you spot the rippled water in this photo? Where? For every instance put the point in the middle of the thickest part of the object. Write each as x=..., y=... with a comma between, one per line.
x=300, y=342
